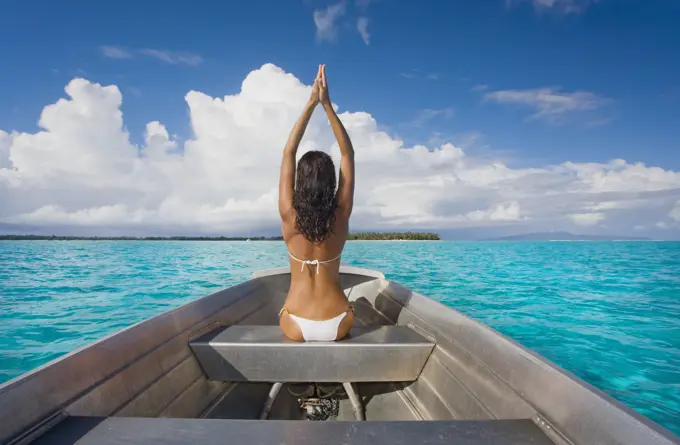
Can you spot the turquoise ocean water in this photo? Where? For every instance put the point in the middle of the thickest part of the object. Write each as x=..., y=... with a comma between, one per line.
x=608, y=312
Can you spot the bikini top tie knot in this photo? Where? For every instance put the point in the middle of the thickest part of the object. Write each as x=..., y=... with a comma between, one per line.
x=312, y=262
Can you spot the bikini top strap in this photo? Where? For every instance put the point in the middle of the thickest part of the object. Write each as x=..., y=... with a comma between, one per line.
x=312, y=262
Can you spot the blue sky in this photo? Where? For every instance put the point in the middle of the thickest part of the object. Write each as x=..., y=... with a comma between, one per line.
x=422, y=56
x=529, y=84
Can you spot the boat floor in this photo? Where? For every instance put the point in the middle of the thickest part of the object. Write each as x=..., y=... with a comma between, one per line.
x=381, y=401
x=122, y=430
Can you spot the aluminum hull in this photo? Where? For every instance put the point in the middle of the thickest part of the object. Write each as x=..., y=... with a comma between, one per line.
x=149, y=371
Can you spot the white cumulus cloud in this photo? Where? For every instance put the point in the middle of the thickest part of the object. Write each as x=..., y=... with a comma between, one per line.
x=586, y=219
x=502, y=212
x=674, y=214
x=81, y=171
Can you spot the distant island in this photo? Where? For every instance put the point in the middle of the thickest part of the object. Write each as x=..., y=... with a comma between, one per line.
x=384, y=236
x=566, y=236
x=135, y=238
x=394, y=236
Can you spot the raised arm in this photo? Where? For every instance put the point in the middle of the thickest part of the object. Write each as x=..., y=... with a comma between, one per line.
x=287, y=179
x=345, y=194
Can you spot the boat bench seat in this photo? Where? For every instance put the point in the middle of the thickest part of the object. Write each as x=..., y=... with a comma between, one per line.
x=148, y=431
x=243, y=353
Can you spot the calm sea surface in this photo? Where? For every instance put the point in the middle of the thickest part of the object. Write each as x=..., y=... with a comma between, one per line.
x=609, y=312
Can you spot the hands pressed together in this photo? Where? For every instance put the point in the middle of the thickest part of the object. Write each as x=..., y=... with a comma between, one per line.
x=320, y=88
x=345, y=191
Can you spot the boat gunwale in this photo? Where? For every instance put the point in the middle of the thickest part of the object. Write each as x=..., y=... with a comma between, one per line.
x=657, y=432
x=14, y=427
x=344, y=270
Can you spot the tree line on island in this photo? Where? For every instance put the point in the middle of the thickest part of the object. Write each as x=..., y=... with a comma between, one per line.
x=363, y=236
x=393, y=236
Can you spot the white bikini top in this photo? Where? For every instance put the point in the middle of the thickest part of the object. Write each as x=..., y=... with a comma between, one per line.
x=312, y=262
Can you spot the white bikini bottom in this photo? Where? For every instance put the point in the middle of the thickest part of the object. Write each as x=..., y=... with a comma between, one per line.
x=314, y=330
x=318, y=330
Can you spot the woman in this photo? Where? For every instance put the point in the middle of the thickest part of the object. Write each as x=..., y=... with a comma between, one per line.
x=315, y=224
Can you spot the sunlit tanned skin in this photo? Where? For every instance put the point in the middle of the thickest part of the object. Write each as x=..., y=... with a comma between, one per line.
x=315, y=219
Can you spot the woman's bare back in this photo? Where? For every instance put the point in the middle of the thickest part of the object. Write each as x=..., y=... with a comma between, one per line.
x=315, y=292
x=315, y=220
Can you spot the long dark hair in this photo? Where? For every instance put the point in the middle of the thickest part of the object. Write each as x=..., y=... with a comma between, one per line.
x=314, y=197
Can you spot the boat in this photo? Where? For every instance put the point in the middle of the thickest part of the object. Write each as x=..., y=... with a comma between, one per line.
x=218, y=370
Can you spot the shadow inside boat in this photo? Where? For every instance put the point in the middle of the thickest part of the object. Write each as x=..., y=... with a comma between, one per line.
x=69, y=431
x=244, y=401
x=385, y=310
